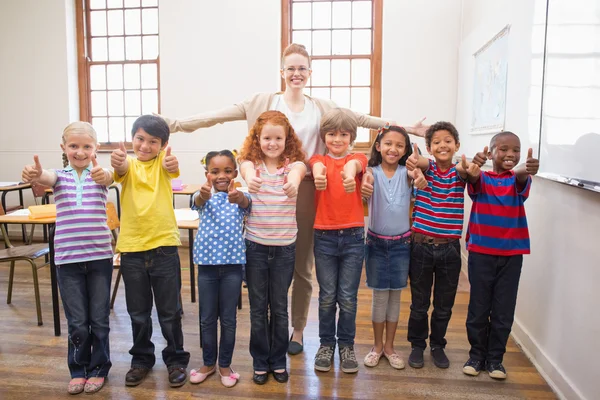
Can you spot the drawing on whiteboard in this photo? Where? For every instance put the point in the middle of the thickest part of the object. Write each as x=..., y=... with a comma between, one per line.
x=489, y=86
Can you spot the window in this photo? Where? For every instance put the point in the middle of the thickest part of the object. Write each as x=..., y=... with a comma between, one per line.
x=117, y=45
x=343, y=38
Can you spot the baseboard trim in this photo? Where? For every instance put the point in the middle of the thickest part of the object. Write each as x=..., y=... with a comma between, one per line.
x=555, y=377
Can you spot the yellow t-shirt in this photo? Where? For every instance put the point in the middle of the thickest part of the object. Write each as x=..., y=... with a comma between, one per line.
x=147, y=217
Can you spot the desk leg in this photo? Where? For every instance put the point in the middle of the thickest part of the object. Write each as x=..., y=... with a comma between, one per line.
x=23, y=228
x=53, y=282
x=118, y=201
x=192, y=268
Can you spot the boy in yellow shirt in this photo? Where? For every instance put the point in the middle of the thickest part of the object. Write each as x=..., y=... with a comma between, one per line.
x=148, y=243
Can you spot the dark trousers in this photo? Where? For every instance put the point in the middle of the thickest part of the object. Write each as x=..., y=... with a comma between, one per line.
x=427, y=261
x=269, y=272
x=218, y=294
x=157, y=272
x=494, y=284
x=85, y=292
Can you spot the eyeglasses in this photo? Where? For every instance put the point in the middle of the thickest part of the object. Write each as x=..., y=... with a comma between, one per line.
x=291, y=70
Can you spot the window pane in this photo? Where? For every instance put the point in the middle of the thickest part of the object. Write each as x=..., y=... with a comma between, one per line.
x=97, y=4
x=133, y=48
x=98, y=23
x=149, y=76
x=362, y=135
x=98, y=103
x=340, y=73
x=133, y=22
x=101, y=128
x=99, y=52
x=322, y=93
x=321, y=15
x=115, y=22
x=97, y=77
x=301, y=16
x=133, y=102
x=340, y=42
x=150, y=21
x=128, y=125
x=149, y=101
x=342, y=17
x=360, y=100
x=321, y=73
x=302, y=37
x=361, y=72
x=116, y=129
x=361, y=14
x=115, y=103
x=116, y=49
x=321, y=44
x=361, y=41
x=114, y=74
x=150, y=47
x=132, y=76
x=114, y=3
x=149, y=3
x=341, y=96
x=132, y=3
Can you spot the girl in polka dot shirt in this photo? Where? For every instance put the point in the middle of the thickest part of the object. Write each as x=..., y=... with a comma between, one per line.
x=220, y=253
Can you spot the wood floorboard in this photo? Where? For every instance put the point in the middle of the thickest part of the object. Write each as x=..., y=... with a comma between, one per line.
x=33, y=361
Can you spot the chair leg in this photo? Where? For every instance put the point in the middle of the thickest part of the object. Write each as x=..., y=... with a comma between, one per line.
x=36, y=288
x=11, y=275
x=114, y=294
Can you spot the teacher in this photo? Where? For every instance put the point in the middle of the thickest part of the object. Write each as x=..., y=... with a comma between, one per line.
x=304, y=113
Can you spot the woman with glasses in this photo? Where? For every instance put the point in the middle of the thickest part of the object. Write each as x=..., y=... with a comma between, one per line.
x=304, y=113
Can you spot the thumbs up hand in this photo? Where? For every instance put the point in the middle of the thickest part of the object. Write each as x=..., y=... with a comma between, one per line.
x=234, y=195
x=289, y=188
x=98, y=174
x=206, y=189
x=419, y=180
x=321, y=179
x=348, y=182
x=31, y=173
x=254, y=182
x=170, y=162
x=412, y=162
x=366, y=189
x=481, y=157
x=118, y=159
x=472, y=169
x=532, y=165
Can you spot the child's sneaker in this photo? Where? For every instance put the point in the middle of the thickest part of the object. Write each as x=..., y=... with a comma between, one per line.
x=472, y=367
x=496, y=370
x=348, y=360
x=324, y=358
x=415, y=359
x=439, y=357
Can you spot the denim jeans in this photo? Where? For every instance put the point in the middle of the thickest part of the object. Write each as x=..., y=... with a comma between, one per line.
x=426, y=261
x=157, y=272
x=85, y=292
x=494, y=284
x=339, y=256
x=269, y=272
x=218, y=294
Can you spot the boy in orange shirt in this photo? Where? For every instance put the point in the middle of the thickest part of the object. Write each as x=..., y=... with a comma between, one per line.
x=339, y=237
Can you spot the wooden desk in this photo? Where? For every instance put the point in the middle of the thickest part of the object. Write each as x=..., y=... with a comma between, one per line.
x=24, y=219
x=190, y=225
x=187, y=190
x=11, y=188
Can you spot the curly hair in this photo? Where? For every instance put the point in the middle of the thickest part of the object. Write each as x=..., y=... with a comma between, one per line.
x=251, y=150
x=440, y=126
x=376, y=158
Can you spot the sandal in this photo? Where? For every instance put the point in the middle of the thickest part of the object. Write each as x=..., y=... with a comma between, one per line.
x=231, y=379
x=372, y=359
x=93, y=387
x=76, y=387
x=395, y=360
x=199, y=377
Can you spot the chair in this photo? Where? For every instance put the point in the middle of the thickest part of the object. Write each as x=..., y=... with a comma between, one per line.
x=28, y=253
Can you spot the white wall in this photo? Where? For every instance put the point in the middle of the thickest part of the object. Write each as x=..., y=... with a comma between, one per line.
x=556, y=320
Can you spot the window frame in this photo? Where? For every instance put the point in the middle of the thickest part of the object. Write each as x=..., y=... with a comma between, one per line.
x=375, y=57
x=84, y=63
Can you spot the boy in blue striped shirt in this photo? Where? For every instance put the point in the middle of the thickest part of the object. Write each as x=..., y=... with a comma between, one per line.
x=497, y=238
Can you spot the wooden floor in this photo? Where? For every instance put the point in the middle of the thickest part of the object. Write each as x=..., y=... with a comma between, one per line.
x=33, y=361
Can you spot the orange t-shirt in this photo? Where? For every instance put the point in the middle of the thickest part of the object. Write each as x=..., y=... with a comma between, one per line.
x=337, y=209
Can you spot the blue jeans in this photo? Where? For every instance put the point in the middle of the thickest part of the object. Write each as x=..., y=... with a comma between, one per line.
x=339, y=258
x=269, y=272
x=144, y=273
x=218, y=294
x=494, y=285
x=85, y=291
x=428, y=260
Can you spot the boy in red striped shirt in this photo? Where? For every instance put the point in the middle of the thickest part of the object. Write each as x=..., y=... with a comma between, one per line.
x=497, y=238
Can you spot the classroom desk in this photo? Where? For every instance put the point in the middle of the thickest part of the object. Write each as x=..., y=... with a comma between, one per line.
x=24, y=219
x=187, y=190
x=11, y=188
x=190, y=225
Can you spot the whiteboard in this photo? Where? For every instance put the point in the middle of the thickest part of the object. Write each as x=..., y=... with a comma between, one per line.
x=570, y=123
